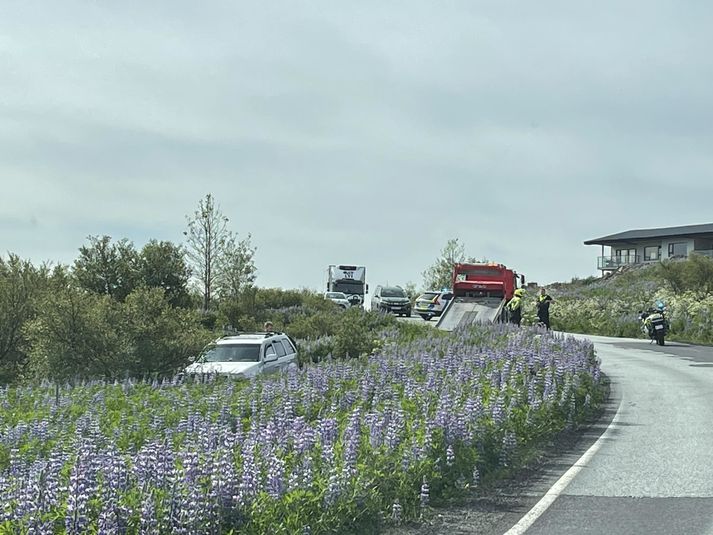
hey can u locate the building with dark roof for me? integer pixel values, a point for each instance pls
(652, 245)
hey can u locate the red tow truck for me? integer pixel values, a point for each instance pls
(480, 292)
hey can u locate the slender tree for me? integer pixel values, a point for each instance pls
(207, 238)
(237, 271)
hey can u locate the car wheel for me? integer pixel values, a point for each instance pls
(408, 314)
(425, 317)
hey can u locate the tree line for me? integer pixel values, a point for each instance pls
(118, 310)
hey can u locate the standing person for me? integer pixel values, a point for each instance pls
(514, 306)
(543, 308)
(268, 327)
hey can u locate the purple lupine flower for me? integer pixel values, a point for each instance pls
(476, 476)
(275, 477)
(148, 521)
(304, 436)
(328, 431)
(108, 523)
(173, 521)
(213, 499)
(572, 413)
(498, 410)
(549, 389)
(512, 406)
(77, 520)
(396, 512)
(393, 428)
(508, 448)
(424, 496)
(250, 480)
(407, 458)
(225, 477)
(351, 439)
(374, 422)
(333, 488)
(450, 456)
(306, 473)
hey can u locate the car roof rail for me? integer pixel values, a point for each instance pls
(266, 334)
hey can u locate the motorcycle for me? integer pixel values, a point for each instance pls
(654, 324)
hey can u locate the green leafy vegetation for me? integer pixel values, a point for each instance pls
(611, 306)
(341, 446)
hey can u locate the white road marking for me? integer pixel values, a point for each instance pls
(558, 488)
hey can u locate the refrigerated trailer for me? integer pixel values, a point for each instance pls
(350, 280)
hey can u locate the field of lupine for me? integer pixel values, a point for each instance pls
(335, 447)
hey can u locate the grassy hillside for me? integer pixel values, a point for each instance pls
(609, 306)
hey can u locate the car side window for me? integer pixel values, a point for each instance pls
(278, 347)
(288, 346)
(269, 350)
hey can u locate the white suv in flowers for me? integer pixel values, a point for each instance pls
(246, 355)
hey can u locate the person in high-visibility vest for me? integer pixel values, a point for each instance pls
(543, 308)
(514, 306)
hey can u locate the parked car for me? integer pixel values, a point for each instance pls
(391, 299)
(432, 303)
(246, 355)
(338, 298)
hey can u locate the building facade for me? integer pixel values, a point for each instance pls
(644, 246)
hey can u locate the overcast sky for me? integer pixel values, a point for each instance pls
(364, 132)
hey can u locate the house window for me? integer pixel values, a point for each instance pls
(678, 250)
(625, 256)
(652, 253)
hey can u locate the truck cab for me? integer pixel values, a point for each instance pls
(485, 280)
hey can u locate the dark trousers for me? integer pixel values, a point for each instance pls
(544, 319)
(516, 316)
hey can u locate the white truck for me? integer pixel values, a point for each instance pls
(350, 280)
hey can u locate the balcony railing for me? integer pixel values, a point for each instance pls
(615, 262)
(606, 263)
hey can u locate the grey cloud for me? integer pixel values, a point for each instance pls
(363, 132)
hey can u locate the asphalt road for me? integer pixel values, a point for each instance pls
(654, 470)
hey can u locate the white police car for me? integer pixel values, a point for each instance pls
(432, 303)
(245, 355)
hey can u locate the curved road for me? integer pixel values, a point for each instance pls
(653, 469)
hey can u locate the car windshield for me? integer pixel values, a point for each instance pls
(336, 295)
(428, 296)
(232, 353)
(393, 292)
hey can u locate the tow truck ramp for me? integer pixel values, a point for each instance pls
(464, 311)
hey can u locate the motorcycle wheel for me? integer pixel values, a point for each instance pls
(660, 339)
